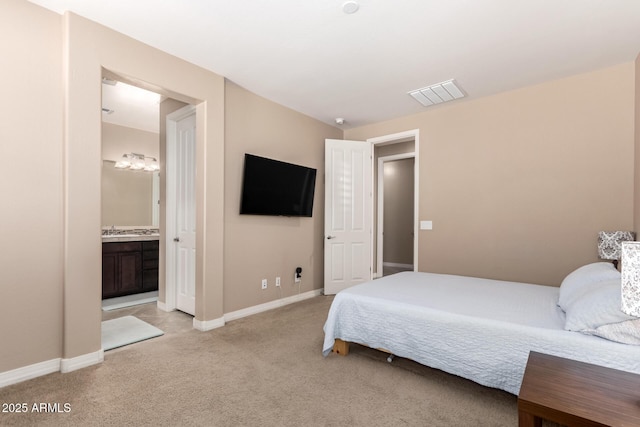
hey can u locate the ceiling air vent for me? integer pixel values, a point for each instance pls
(437, 94)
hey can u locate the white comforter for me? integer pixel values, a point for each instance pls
(479, 329)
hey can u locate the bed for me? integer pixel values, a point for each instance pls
(483, 329)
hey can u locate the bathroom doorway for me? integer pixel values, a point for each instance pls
(130, 194)
(141, 123)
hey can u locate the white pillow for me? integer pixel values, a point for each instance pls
(580, 281)
(627, 332)
(598, 307)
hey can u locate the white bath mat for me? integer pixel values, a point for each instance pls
(126, 330)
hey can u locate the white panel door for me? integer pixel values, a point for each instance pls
(181, 200)
(348, 211)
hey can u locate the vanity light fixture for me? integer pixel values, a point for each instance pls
(151, 165)
(136, 161)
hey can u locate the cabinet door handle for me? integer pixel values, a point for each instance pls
(331, 237)
(176, 239)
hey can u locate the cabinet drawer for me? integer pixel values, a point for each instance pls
(150, 245)
(112, 247)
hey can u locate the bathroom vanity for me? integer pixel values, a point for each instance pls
(129, 264)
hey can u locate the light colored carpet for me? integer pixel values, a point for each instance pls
(129, 301)
(263, 370)
(126, 330)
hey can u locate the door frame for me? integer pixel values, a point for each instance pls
(170, 224)
(396, 138)
(380, 206)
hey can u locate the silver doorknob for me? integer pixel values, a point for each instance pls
(176, 239)
(331, 237)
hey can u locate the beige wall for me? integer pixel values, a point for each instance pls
(258, 247)
(518, 184)
(31, 217)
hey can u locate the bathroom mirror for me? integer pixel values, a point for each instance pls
(130, 124)
(129, 198)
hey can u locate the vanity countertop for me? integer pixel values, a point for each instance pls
(129, 234)
(129, 238)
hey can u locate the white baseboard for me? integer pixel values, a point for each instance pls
(28, 372)
(79, 362)
(163, 306)
(67, 365)
(207, 325)
(50, 366)
(396, 264)
(271, 305)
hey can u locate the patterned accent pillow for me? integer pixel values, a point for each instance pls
(609, 243)
(580, 281)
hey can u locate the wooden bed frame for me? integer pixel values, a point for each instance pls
(341, 347)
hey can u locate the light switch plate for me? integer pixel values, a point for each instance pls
(426, 225)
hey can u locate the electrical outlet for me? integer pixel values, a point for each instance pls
(278, 281)
(296, 279)
(264, 283)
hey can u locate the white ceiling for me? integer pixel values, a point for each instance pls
(131, 106)
(310, 56)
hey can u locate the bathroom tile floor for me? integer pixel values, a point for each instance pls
(172, 322)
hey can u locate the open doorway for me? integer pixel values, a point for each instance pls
(395, 213)
(395, 210)
(135, 128)
(130, 194)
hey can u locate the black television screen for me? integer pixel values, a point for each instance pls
(272, 187)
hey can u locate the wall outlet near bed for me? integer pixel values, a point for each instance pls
(264, 283)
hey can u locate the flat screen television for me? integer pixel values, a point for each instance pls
(273, 187)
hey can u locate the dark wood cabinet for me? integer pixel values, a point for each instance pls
(129, 268)
(150, 265)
